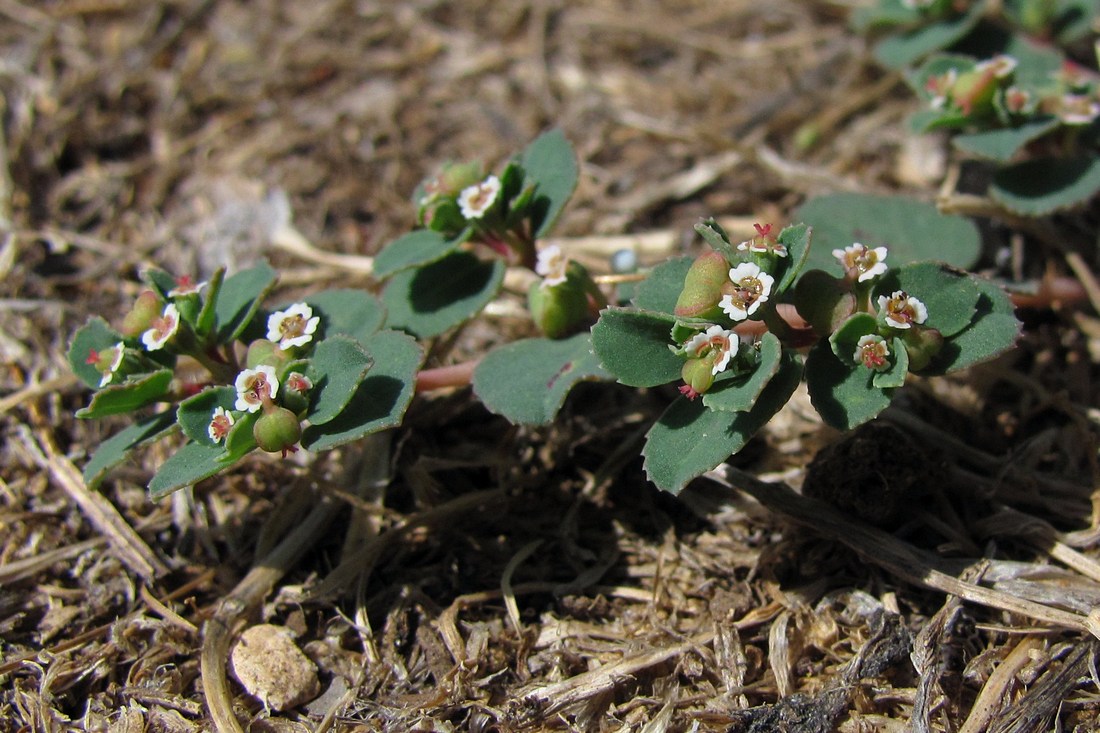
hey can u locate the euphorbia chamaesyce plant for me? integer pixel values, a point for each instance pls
(723, 328)
(1014, 82)
(735, 329)
(205, 360)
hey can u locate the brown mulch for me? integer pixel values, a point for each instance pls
(462, 573)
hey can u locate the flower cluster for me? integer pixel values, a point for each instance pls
(985, 92)
(871, 339)
(155, 323)
(270, 387)
(722, 291)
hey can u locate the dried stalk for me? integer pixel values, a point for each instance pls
(904, 561)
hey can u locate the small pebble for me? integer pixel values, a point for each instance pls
(271, 668)
(624, 261)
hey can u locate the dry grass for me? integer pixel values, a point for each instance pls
(463, 574)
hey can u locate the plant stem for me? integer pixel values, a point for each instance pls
(455, 375)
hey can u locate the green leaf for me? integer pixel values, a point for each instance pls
(426, 301)
(128, 396)
(1076, 19)
(993, 331)
(883, 14)
(950, 295)
(902, 49)
(843, 395)
(208, 316)
(527, 381)
(240, 440)
(927, 120)
(823, 300)
(689, 439)
(337, 369)
(659, 291)
(95, 335)
(415, 249)
(739, 395)
(353, 313)
(189, 465)
(239, 299)
(195, 412)
(911, 230)
(898, 371)
(714, 235)
(382, 397)
(845, 340)
(551, 165)
(796, 238)
(634, 345)
(1046, 185)
(160, 281)
(115, 449)
(1001, 145)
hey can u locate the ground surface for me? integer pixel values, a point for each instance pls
(480, 576)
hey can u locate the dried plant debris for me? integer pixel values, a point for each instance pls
(472, 575)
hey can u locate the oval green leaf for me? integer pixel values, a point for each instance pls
(911, 230)
(426, 301)
(689, 439)
(633, 345)
(382, 397)
(417, 248)
(527, 381)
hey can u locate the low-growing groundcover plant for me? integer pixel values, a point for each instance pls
(734, 330)
(1014, 84)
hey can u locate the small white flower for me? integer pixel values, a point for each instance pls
(254, 386)
(186, 286)
(871, 351)
(552, 265)
(1078, 109)
(902, 310)
(861, 261)
(752, 286)
(220, 424)
(162, 329)
(475, 200)
(714, 339)
(293, 327)
(115, 363)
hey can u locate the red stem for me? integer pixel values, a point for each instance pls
(455, 375)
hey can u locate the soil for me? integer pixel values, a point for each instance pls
(461, 573)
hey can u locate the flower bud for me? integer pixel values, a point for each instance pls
(698, 375)
(561, 309)
(145, 310)
(277, 431)
(921, 343)
(974, 90)
(703, 285)
(262, 351)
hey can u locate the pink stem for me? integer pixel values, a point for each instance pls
(455, 375)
